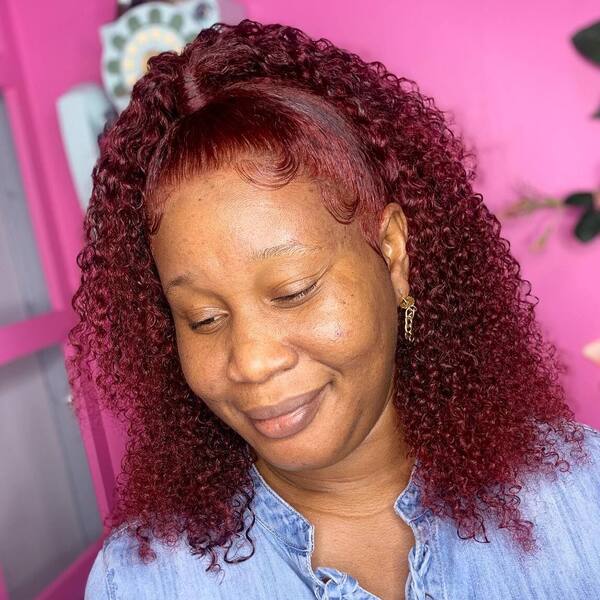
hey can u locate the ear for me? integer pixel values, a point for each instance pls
(393, 233)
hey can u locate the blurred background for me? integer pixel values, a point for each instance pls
(519, 81)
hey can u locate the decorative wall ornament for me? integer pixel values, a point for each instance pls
(142, 32)
(587, 202)
(587, 43)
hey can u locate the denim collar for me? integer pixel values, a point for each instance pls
(294, 530)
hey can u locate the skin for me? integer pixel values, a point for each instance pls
(345, 470)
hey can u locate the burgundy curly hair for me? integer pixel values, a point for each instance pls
(480, 395)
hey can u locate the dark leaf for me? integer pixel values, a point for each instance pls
(588, 226)
(587, 42)
(580, 199)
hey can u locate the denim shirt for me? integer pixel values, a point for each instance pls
(442, 566)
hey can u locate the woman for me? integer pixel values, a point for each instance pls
(330, 369)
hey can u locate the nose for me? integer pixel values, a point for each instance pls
(258, 351)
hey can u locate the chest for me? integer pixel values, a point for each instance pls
(375, 553)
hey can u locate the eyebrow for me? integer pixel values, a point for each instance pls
(281, 250)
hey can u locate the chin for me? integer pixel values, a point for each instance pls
(309, 454)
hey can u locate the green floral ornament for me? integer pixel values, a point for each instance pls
(588, 226)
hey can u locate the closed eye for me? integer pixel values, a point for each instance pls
(299, 295)
(290, 298)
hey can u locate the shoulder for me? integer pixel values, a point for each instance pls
(119, 572)
(116, 568)
(583, 475)
(592, 436)
(565, 512)
(574, 492)
(175, 573)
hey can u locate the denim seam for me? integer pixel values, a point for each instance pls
(108, 577)
(279, 499)
(591, 430)
(115, 533)
(275, 534)
(434, 543)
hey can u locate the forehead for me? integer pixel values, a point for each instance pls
(222, 217)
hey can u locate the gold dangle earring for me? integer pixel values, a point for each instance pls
(408, 304)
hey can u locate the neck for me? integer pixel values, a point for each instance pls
(364, 484)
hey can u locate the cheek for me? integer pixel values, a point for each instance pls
(353, 323)
(200, 373)
(205, 384)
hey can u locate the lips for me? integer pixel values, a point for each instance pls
(291, 423)
(285, 407)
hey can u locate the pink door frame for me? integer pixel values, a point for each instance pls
(46, 210)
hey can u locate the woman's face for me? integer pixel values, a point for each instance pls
(259, 321)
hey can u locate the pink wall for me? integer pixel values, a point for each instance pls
(519, 93)
(521, 97)
(60, 47)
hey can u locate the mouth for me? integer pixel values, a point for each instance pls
(284, 407)
(293, 421)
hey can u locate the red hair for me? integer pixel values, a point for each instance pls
(478, 389)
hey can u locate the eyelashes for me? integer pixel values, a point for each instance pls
(301, 295)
